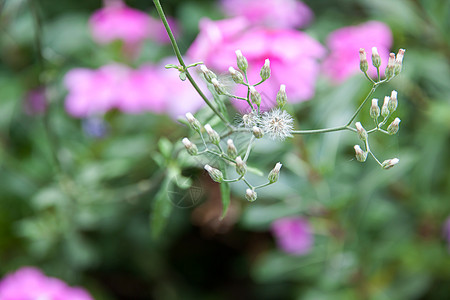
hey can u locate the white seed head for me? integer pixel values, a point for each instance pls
(277, 123)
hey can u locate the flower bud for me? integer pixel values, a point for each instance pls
(191, 148)
(257, 132)
(231, 149)
(214, 173)
(195, 124)
(282, 96)
(250, 195)
(275, 173)
(213, 135)
(241, 61)
(385, 109)
(236, 75)
(393, 127)
(399, 61)
(218, 86)
(360, 155)
(374, 109)
(265, 70)
(392, 103)
(376, 59)
(362, 133)
(255, 96)
(241, 167)
(363, 64)
(389, 73)
(389, 163)
(207, 73)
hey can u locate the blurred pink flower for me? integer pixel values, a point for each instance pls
(35, 102)
(116, 21)
(271, 13)
(293, 57)
(447, 232)
(344, 45)
(293, 235)
(149, 88)
(30, 283)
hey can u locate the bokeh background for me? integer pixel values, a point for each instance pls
(78, 193)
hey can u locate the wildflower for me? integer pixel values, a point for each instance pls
(362, 133)
(376, 59)
(265, 70)
(281, 96)
(250, 120)
(293, 235)
(241, 167)
(231, 149)
(389, 163)
(392, 103)
(374, 109)
(213, 135)
(277, 123)
(190, 147)
(31, 283)
(361, 156)
(215, 174)
(363, 64)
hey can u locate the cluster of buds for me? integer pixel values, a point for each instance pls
(394, 66)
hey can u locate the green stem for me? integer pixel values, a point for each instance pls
(182, 63)
(374, 87)
(315, 131)
(263, 185)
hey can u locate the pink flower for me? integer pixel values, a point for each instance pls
(116, 21)
(115, 86)
(447, 232)
(271, 13)
(293, 57)
(30, 283)
(293, 235)
(344, 45)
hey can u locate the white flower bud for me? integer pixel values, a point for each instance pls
(207, 73)
(241, 167)
(250, 195)
(195, 124)
(363, 64)
(399, 61)
(255, 96)
(374, 109)
(389, 163)
(275, 173)
(385, 109)
(231, 149)
(265, 70)
(218, 86)
(282, 96)
(376, 59)
(213, 135)
(393, 127)
(257, 132)
(360, 155)
(362, 133)
(241, 61)
(389, 73)
(191, 148)
(236, 75)
(215, 174)
(392, 103)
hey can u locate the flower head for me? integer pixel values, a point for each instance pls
(31, 283)
(293, 235)
(277, 123)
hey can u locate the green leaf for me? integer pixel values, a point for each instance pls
(165, 147)
(162, 207)
(171, 66)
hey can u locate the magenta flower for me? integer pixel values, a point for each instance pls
(270, 13)
(118, 22)
(293, 235)
(149, 88)
(344, 45)
(293, 57)
(30, 283)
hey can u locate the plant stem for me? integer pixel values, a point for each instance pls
(182, 63)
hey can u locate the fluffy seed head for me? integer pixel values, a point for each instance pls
(278, 124)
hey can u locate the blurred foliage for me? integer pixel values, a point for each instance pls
(77, 204)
